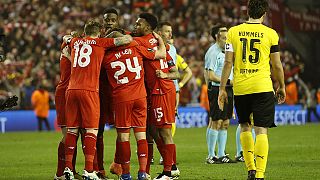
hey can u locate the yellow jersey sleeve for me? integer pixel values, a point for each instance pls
(181, 64)
(274, 38)
(229, 44)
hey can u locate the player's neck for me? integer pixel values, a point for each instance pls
(147, 33)
(220, 44)
(251, 20)
(94, 36)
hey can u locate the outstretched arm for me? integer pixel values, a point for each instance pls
(126, 39)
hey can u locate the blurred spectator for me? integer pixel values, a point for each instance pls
(318, 96)
(312, 103)
(204, 100)
(35, 28)
(40, 102)
(291, 93)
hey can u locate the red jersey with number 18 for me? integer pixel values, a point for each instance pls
(87, 55)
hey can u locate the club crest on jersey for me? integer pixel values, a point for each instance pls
(153, 41)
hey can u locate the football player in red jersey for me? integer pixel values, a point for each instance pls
(161, 93)
(82, 98)
(124, 67)
(110, 21)
(65, 70)
(60, 101)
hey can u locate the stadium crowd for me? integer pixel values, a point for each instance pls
(34, 29)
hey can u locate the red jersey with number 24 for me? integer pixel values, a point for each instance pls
(125, 71)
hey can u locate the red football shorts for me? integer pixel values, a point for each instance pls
(83, 109)
(162, 110)
(60, 101)
(131, 113)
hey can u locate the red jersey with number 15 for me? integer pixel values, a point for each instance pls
(154, 84)
(125, 71)
(87, 55)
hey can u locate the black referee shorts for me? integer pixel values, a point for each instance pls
(215, 112)
(262, 105)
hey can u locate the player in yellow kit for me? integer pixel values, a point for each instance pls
(250, 47)
(185, 77)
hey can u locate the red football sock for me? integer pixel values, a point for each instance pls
(70, 146)
(117, 158)
(125, 153)
(168, 156)
(89, 149)
(160, 146)
(100, 149)
(174, 155)
(61, 159)
(74, 158)
(142, 154)
(150, 156)
(95, 162)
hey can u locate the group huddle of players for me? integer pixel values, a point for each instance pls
(110, 76)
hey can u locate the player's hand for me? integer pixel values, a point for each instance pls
(161, 74)
(231, 82)
(281, 95)
(66, 52)
(222, 98)
(128, 38)
(157, 36)
(67, 38)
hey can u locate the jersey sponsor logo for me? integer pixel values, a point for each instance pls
(248, 71)
(153, 41)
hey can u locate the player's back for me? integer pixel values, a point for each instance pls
(252, 43)
(87, 55)
(124, 67)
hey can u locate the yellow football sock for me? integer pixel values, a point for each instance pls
(247, 143)
(261, 152)
(173, 129)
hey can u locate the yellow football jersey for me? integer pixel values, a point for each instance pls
(181, 64)
(252, 44)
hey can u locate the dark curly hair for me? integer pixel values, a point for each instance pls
(151, 19)
(257, 8)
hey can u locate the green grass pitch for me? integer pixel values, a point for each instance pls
(294, 154)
